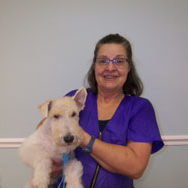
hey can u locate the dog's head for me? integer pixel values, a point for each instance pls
(63, 116)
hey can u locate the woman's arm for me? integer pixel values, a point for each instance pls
(130, 160)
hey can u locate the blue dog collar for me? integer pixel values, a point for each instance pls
(65, 160)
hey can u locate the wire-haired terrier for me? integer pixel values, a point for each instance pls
(59, 134)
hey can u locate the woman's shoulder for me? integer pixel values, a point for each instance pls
(72, 92)
(136, 99)
(138, 103)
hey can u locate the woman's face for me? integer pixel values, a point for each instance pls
(111, 76)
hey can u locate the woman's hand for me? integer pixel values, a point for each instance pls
(86, 139)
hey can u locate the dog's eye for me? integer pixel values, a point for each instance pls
(56, 116)
(73, 114)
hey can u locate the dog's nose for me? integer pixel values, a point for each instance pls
(69, 139)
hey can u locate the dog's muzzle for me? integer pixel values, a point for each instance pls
(68, 139)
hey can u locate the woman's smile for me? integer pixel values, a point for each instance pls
(110, 77)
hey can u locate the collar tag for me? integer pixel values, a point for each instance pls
(65, 159)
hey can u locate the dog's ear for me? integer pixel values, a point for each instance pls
(45, 107)
(80, 98)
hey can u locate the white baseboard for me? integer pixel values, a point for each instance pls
(169, 140)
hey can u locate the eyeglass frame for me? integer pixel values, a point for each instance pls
(114, 61)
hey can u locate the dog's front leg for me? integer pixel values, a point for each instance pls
(41, 174)
(73, 174)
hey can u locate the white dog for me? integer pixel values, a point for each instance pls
(60, 134)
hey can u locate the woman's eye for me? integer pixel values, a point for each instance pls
(56, 116)
(102, 61)
(120, 61)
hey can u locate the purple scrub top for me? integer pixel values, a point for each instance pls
(133, 120)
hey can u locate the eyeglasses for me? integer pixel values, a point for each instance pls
(119, 62)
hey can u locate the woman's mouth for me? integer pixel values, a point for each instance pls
(110, 76)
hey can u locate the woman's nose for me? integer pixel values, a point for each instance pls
(111, 66)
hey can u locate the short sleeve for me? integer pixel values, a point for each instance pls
(143, 125)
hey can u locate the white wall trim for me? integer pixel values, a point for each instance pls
(175, 140)
(10, 142)
(169, 140)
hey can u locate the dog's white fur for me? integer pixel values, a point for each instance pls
(59, 134)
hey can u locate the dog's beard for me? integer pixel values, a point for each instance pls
(59, 142)
(65, 148)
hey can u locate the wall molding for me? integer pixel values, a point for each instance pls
(11, 142)
(169, 140)
(175, 140)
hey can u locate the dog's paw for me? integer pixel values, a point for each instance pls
(75, 168)
(73, 174)
(74, 185)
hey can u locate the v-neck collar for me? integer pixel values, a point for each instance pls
(114, 115)
(116, 111)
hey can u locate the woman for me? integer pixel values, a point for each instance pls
(119, 127)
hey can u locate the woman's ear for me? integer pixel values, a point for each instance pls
(80, 98)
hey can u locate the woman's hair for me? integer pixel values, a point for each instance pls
(133, 85)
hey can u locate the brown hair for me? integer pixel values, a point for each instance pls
(133, 85)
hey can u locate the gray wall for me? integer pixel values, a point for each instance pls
(46, 48)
